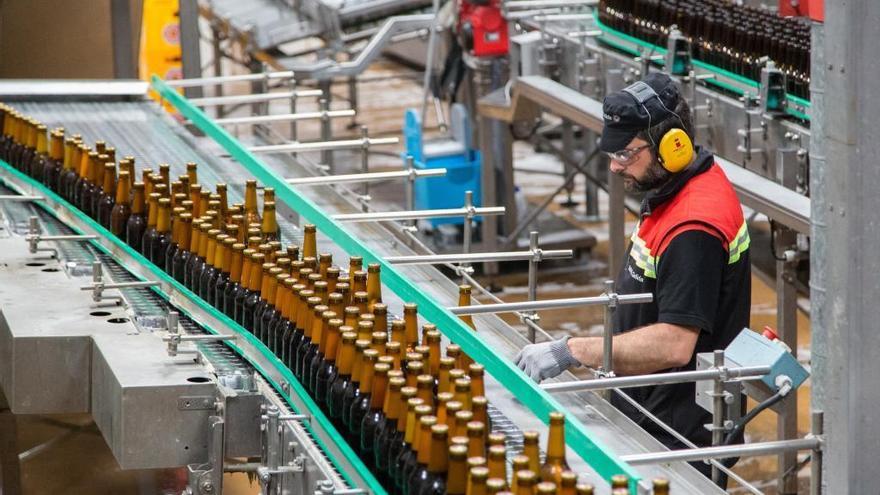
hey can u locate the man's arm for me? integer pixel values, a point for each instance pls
(645, 350)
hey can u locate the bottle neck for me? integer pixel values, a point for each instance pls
(137, 203)
(377, 393)
(152, 215)
(185, 231)
(332, 343)
(345, 357)
(556, 443)
(163, 224)
(235, 266)
(391, 403)
(123, 189)
(438, 458)
(423, 445)
(110, 181)
(270, 224)
(310, 244)
(256, 277)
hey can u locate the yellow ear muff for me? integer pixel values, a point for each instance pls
(676, 150)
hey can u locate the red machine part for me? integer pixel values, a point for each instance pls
(483, 28)
(814, 9)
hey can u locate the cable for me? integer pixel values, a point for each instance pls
(785, 386)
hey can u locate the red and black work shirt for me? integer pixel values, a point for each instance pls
(690, 250)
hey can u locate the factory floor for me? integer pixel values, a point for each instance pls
(79, 461)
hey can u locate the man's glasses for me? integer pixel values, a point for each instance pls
(627, 155)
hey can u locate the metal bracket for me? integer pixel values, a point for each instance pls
(34, 238)
(98, 286)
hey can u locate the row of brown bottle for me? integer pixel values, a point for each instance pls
(722, 33)
(398, 400)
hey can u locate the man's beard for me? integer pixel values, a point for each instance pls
(655, 177)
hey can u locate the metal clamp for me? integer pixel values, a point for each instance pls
(34, 238)
(98, 286)
(174, 338)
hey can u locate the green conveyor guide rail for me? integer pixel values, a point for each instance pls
(726, 80)
(538, 401)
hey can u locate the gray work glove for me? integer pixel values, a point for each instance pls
(546, 360)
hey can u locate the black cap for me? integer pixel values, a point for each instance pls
(624, 116)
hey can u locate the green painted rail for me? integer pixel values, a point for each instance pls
(541, 403)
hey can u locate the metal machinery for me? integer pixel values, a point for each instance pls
(171, 382)
(351, 35)
(564, 59)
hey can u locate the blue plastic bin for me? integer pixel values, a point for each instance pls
(462, 166)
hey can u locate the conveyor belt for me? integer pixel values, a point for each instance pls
(139, 128)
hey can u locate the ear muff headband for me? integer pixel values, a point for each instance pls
(675, 149)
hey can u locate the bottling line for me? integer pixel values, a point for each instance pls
(176, 377)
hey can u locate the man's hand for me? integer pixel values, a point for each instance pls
(545, 360)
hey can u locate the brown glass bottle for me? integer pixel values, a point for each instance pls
(555, 463)
(525, 482)
(327, 372)
(310, 242)
(175, 239)
(182, 254)
(107, 198)
(235, 287)
(267, 297)
(317, 358)
(456, 479)
(311, 332)
(68, 176)
(94, 194)
(430, 477)
(411, 325)
(40, 158)
(360, 404)
(353, 391)
(338, 386)
(464, 299)
(251, 213)
(386, 426)
(310, 351)
(121, 210)
(54, 164)
(269, 225)
(300, 315)
(84, 175)
(305, 323)
(583, 489)
(200, 261)
(568, 483)
(224, 261)
(152, 221)
(60, 186)
(368, 412)
(419, 451)
(255, 281)
(195, 241)
(159, 244)
(282, 292)
(660, 486)
(287, 329)
(374, 285)
(531, 449)
(136, 224)
(209, 273)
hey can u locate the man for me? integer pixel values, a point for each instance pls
(689, 249)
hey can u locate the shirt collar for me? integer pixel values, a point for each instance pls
(667, 191)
